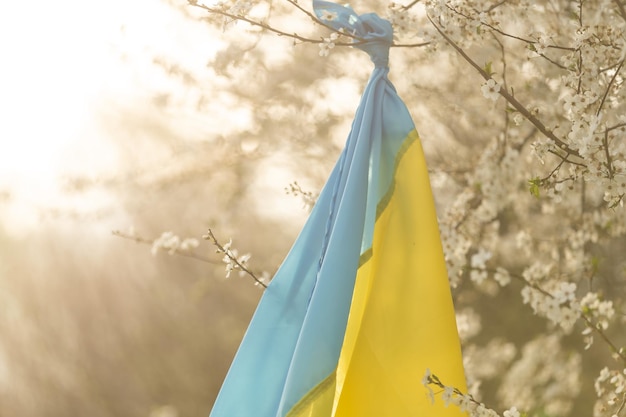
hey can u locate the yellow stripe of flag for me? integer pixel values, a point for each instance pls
(401, 319)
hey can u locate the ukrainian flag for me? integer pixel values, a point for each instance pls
(361, 305)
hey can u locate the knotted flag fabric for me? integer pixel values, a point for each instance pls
(361, 305)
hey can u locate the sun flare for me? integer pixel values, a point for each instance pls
(66, 64)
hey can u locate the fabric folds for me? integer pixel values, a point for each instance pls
(361, 306)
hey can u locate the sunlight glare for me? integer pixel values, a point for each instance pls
(63, 62)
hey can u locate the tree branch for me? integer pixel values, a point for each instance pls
(607, 154)
(317, 21)
(409, 45)
(272, 29)
(507, 96)
(583, 315)
(186, 253)
(508, 35)
(608, 87)
(221, 249)
(408, 6)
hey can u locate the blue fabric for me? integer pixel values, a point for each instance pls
(295, 336)
(375, 35)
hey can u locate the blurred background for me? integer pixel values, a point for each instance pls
(143, 118)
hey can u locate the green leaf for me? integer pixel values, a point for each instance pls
(533, 186)
(488, 69)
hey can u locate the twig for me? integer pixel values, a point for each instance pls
(527, 41)
(221, 249)
(409, 45)
(320, 22)
(586, 319)
(508, 35)
(617, 126)
(555, 153)
(408, 6)
(186, 253)
(496, 5)
(607, 154)
(508, 97)
(357, 40)
(580, 12)
(505, 86)
(621, 407)
(555, 170)
(434, 380)
(604, 337)
(272, 29)
(553, 62)
(608, 88)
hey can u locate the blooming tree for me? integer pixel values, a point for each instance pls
(522, 112)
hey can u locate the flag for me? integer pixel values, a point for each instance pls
(361, 305)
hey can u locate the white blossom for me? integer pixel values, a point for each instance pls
(328, 44)
(426, 384)
(502, 276)
(478, 273)
(172, 243)
(446, 396)
(511, 412)
(468, 323)
(491, 89)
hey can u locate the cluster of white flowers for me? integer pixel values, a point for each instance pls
(234, 7)
(610, 388)
(540, 45)
(308, 198)
(402, 20)
(478, 272)
(551, 381)
(328, 44)
(592, 102)
(464, 21)
(564, 65)
(467, 323)
(465, 402)
(541, 147)
(591, 92)
(502, 276)
(455, 243)
(232, 259)
(601, 311)
(587, 122)
(474, 213)
(559, 305)
(236, 262)
(486, 362)
(576, 258)
(172, 243)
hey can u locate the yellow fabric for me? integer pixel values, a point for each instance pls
(401, 319)
(317, 402)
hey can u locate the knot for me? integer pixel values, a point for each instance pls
(377, 38)
(375, 34)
